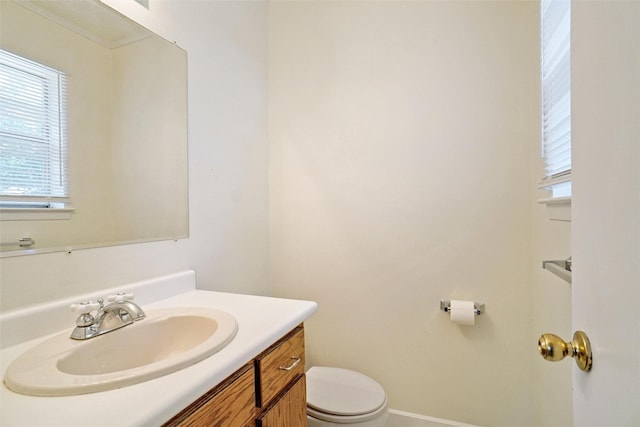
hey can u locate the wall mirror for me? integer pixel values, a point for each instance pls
(126, 126)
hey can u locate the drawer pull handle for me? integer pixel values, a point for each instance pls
(296, 362)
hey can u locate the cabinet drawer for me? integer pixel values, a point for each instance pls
(279, 366)
(230, 404)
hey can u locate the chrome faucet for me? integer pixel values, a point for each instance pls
(121, 311)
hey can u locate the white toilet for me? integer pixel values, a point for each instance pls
(336, 397)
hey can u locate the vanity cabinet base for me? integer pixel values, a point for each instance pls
(269, 391)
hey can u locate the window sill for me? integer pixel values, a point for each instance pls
(35, 214)
(561, 268)
(558, 208)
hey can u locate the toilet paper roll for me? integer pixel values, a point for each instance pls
(462, 312)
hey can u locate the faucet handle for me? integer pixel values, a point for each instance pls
(84, 307)
(120, 296)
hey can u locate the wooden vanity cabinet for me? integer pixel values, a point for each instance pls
(269, 391)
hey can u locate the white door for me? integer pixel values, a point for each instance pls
(606, 209)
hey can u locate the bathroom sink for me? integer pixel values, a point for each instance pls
(166, 341)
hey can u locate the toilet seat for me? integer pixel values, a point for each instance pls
(343, 396)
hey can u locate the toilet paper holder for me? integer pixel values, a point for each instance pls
(445, 305)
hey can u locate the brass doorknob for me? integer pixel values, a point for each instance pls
(553, 348)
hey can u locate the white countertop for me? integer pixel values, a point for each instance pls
(261, 322)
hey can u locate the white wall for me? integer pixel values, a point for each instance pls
(227, 167)
(401, 137)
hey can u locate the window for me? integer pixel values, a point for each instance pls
(33, 146)
(556, 95)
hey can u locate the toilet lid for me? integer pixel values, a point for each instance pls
(342, 392)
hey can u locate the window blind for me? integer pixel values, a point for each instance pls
(556, 95)
(33, 148)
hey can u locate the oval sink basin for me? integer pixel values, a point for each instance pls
(165, 341)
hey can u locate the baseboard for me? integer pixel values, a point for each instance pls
(431, 420)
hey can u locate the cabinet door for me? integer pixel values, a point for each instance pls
(290, 410)
(230, 404)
